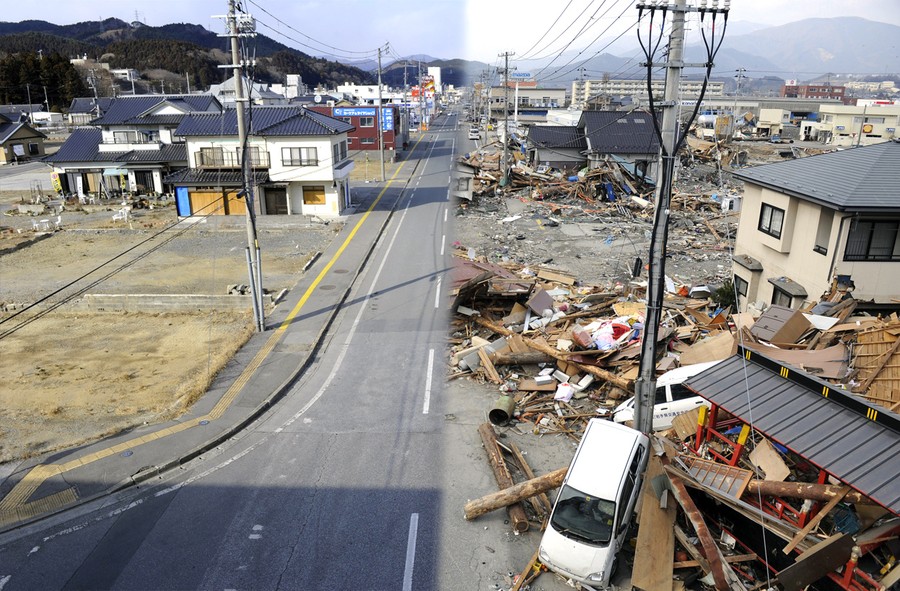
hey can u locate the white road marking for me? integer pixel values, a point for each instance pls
(428, 375)
(410, 552)
(443, 241)
(445, 214)
(4, 581)
(437, 294)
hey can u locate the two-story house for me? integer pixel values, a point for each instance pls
(298, 157)
(810, 222)
(129, 148)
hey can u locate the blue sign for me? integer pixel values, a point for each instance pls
(354, 111)
(387, 114)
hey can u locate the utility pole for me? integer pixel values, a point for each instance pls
(380, 118)
(253, 251)
(504, 166)
(740, 78)
(405, 121)
(645, 385)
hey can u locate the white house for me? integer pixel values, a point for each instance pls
(808, 223)
(298, 159)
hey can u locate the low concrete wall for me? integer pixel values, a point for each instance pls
(164, 302)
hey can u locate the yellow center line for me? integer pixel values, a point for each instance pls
(39, 473)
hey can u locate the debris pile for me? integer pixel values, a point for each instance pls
(752, 510)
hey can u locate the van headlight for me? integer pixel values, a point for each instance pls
(596, 577)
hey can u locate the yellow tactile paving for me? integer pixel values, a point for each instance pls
(13, 507)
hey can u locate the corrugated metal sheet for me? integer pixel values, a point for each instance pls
(859, 179)
(855, 441)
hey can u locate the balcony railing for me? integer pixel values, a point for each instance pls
(228, 160)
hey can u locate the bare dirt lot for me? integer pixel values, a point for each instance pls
(71, 375)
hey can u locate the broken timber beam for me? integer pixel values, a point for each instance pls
(526, 358)
(814, 522)
(595, 371)
(804, 490)
(713, 555)
(540, 502)
(501, 473)
(514, 494)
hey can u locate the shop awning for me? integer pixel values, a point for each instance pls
(114, 171)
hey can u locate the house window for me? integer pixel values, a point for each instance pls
(741, 285)
(367, 140)
(212, 157)
(823, 233)
(33, 149)
(781, 297)
(335, 153)
(771, 220)
(253, 154)
(462, 184)
(343, 150)
(314, 195)
(871, 240)
(299, 157)
(367, 121)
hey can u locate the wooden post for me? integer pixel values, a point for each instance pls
(516, 511)
(514, 494)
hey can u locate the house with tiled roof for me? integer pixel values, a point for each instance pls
(556, 146)
(815, 222)
(83, 110)
(19, 141)
(627, 135)
(298, 161)
(129, 147)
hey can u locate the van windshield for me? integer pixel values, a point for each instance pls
(582, 517)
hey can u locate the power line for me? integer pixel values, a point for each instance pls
(550, 28)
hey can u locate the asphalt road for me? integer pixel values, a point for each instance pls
(355, 480)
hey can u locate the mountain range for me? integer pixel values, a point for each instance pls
(806, 50)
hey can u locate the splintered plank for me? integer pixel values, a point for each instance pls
(653, 555)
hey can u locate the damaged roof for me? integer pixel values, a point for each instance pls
(556, 136)
(859, 179)
(619, 132)
(855, 441)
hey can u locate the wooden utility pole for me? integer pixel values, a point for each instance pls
(501, 473)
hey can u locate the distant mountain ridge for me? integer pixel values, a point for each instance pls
(199, 53)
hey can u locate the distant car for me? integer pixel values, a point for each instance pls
(672, 398)
(474, 134)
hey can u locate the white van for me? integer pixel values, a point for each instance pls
(474, 134)
(595, 504)
(672, 398)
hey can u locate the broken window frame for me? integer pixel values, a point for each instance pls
(781, 298)
(768, 214)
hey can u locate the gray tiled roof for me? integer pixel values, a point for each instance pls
(845, 435)
(556, 136)
(619, 132)
(8, 129)
(858, 179)
(192, 176)
(264, 121)
(130, 110)
(89, 104)
(80, 146)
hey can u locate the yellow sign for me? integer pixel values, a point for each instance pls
(57, 185)
(867, 128)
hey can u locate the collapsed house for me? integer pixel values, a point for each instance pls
(787, 473)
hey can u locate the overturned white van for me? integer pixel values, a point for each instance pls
(593, 510)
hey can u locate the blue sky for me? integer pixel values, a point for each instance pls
(470, 29)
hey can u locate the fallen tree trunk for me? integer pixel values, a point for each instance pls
(501, 473)
(803, 490)
(514, 494)
(527, 358)
(594, 371)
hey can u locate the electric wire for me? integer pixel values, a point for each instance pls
(591, 22)
(555, 39)
(547, 32)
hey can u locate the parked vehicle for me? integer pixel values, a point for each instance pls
(593, 511)
(672, 398)
(474, 134)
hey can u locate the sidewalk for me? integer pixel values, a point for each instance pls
(257, 377)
